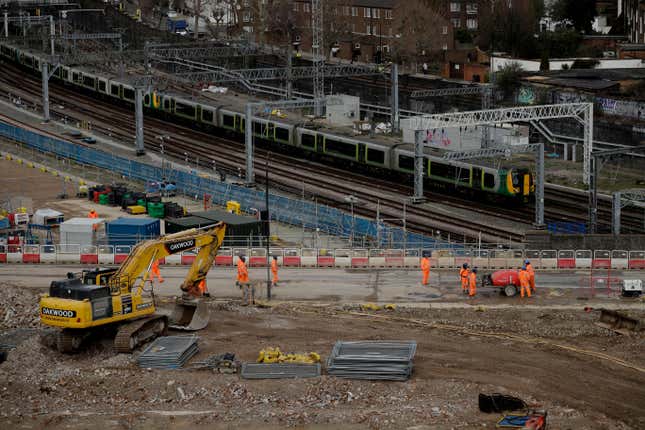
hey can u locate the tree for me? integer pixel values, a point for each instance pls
(508, 78)
(508, 28)
(580, 13)
(420, 29)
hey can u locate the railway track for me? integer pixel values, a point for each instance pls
(330, 186)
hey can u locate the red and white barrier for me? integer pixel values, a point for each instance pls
(105, 254)
(376, 258)
(31, 254)
(121, 252)
(291, 258)
(566, 259)
(89, 255)
(325, 258)
(343, 258)
(308, 257)
(3, 253)
(188, 257)
(258, 257)
(14, 254)
(584, 259)
(549, 259)
(637, 260)
(360, 258)
(224, 257)
(601, 259)
(619, 259)
(68, 254)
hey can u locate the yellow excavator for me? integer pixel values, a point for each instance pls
(121, 301)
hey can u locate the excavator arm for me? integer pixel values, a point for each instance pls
(137, 264)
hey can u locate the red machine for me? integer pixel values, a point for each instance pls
(508, 280)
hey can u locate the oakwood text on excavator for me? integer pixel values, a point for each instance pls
(116, 301)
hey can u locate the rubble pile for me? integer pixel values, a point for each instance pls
(18, 307)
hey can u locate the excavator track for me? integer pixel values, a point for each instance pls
(136, 333)
(69, 341)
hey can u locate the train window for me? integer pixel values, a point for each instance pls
(282, 134)
(166, 104)
(89, 81)
(228, 120)
(185, 110)
(443, 170)
(75, 77)
(308, 141)
(406, 162)
(341, 148)
(258, 128)
(207, 115)
(464, 174)
(128, 93)
(146, 100)
(489, 180)
(114, 90)
(102, 86)
(65, 74)
(375, 156)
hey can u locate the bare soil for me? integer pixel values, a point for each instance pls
(455, 361)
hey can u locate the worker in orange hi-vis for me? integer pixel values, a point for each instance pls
(248, 290)
(203, 289)
(425, 268)
(92, 214)
(529, 268)
(472, 282)
(463, 276)
(154, 271)
(525, 282)
(274, 271)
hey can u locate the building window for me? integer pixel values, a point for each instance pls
(456, 23)
(246, 3)
(444, 30)
(471, 23)
(471, 8)
(354, 11)
(346, 10)
(307, 7)
(445, 47)
(388, 14)
(247, 16)
(375, 13)
(353, 27)
(366, 12)
(296, 6)
(455, 7)
(369, 29)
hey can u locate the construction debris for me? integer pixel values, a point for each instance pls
(274, 355)
(374, 360)
(220, 363)
(280, 370)
(170, 352)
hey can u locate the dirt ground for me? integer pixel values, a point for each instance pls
(460, 354)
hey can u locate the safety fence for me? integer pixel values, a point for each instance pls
(355, 258)
(300, 213)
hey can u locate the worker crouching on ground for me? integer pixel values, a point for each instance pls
(472, 283)
(529, 268)
(248, 290)
(274, 271)
(525, 282)
(463, 276)
(425, 268)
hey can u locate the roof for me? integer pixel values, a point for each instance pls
(226, 217)
(47, 212)
(133, 221)
(587, 79)
(82, 221)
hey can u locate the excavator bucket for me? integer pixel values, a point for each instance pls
(189, 315)
(618, 322)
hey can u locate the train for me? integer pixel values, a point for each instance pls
(386, 158)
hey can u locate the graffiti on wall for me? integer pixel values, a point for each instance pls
(526, 96)
(625, 108)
